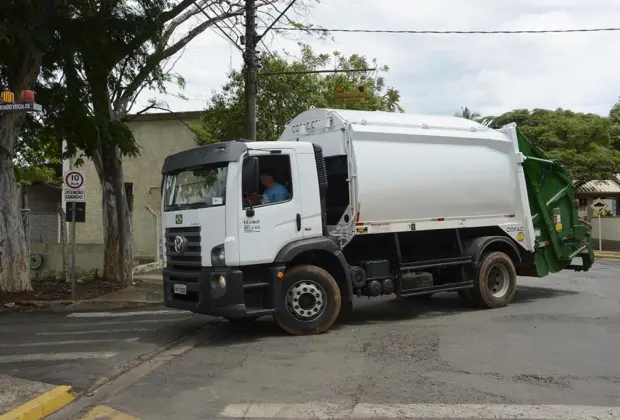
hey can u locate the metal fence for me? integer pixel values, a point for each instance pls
(47, 228)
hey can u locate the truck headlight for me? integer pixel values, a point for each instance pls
(218, 256)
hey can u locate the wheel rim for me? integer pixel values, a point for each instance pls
(306, 300)
(498, 280)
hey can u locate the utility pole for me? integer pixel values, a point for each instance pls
(250, 60)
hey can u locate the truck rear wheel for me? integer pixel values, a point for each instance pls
(310, 301)
(495, 283)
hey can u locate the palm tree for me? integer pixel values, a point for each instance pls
(467, 114)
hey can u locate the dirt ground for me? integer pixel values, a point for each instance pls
(51, 289)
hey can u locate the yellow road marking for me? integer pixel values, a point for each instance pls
(42, 406)
(101, 412)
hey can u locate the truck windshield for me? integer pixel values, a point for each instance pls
(196, 188)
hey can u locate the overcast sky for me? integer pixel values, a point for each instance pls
(437, 74)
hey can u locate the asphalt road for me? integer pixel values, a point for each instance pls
(555, 348)
(85, 349)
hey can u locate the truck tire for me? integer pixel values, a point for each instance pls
(310, 301)
(495, 283)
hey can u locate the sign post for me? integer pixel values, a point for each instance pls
(74, 192)
(599, 206)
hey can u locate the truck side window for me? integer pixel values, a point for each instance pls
(275, 182)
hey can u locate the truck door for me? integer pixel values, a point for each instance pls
(273, 224)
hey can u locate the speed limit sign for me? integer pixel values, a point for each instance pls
(73, 186)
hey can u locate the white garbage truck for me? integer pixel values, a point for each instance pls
(357, 203)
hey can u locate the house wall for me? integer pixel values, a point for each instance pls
(88, 258)
(43, 199)
(156, 138)
(610, 228)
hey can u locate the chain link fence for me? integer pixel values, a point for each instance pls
(47, 228)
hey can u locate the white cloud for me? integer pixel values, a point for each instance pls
(436, 74)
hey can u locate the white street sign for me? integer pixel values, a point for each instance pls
(599, 205)
(74, 186)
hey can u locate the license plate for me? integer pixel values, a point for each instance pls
(180, 289)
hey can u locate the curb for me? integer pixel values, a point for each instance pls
(43, 405)
(79, 306)
(609, 256)
(90, 305)
(147, 268)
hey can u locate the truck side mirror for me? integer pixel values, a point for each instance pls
(250, 175)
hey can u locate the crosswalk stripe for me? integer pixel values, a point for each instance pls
(67, 342)
(121, 314)
(318, 410)
(50, 357)
(124, 321)
(90, 324)
(85, 332)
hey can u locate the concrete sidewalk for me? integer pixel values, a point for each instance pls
(30, 400)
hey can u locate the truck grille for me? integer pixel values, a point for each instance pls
(190, 258)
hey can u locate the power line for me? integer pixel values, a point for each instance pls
(423, 32)
(216, 25)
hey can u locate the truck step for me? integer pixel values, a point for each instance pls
(449, 287)
(418, 265)
(260, 311)
(256, 285)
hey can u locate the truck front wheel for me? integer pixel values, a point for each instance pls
(310, 301)
(495, 283)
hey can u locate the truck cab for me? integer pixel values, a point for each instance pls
(226, 244)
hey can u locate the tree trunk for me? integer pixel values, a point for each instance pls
(117, 232)
(21, 73)
(14, 271)
(14, 268)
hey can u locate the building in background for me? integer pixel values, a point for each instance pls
(157, 135)
(609, 192)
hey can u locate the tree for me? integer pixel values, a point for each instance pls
(36, 159)
(26, 28)
(107, 53)
(467, 114)
(284, 96)
(614, 116)
(582, 143)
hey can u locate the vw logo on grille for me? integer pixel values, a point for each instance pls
(180, 243)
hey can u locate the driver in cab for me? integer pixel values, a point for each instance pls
(274, 191)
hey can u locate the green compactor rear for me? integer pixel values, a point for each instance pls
(560, 235)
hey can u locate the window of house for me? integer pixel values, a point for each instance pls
(275, 183)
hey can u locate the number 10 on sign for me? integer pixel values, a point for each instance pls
(73, 186)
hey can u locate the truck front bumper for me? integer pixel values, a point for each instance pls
(221, 291)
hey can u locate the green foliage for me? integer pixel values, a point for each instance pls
(585, 144)
(27, 175)
(282, 97)
(614, 116)
(35, 158)
(26, 26)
